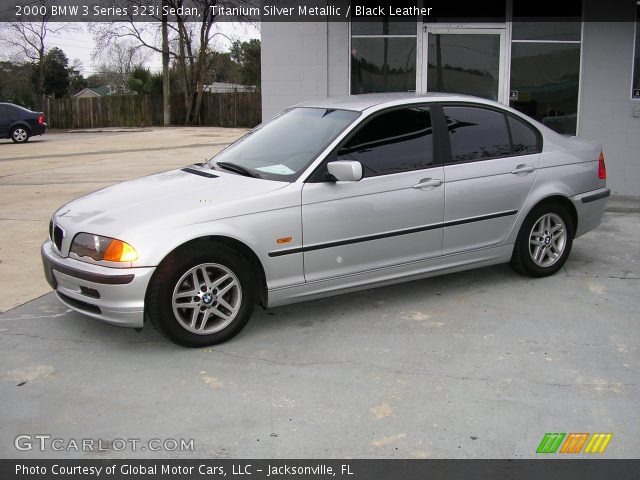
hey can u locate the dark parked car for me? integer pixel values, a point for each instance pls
(19, 123)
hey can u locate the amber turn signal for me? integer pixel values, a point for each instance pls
(119, 251)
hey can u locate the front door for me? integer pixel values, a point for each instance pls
(4, 121)
(470, 61)
(393, 216)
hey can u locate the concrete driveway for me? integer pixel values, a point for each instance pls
(475, 364)
(38, 177)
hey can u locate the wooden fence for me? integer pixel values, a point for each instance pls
(235, 109)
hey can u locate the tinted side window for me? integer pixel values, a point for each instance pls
(523, 137)
(395, 141)
(477, 134)
(10, 112)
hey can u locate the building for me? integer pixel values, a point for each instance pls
(577, 76)
(91, 92)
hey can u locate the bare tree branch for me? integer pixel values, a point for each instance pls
(189, 38)
(29, 39)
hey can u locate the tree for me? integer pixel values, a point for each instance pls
(96, 80)
(118, 62)
(140, 81)
(222, 68)
(158, 81)
(143, 82)
(166, 59)
(55, 70)
(76, 81)
(28, 38)
(247, 56)
(188, 42)
(15, 84)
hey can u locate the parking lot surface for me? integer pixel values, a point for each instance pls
(38, 177)
(476, 364)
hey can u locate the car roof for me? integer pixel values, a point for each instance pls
(362, 102)
(9, 104)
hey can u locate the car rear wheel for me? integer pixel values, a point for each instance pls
(544, 241)
(19, 134)
(202, 295)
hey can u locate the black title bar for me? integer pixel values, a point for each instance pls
(436, 11)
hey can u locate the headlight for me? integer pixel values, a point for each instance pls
(98, 247)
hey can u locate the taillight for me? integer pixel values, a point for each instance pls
(602, 169)
(41, 119)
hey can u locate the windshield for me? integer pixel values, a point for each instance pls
(282, 148)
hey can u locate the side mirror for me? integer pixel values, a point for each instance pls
(345, 170)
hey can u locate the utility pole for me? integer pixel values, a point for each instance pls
(166, 86)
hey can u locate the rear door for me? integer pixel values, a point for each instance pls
(492, 164)
(393, 215)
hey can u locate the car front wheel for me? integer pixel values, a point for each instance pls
(19, 134)
(544, 241)
(201, 296)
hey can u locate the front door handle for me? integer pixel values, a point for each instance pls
(523, 169)
(428, 183)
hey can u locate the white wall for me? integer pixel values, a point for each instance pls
(302, 61)
(294, 64)
(339, 53)
(606, 110)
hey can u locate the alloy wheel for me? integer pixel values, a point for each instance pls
(207, 298)
(19, 134)
(547, 240)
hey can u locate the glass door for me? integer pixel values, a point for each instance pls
(465, 60)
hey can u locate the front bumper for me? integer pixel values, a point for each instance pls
(590, 207)
(113, 295)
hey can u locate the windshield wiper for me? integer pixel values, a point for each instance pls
(234, 167)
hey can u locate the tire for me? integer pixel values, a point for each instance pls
(19, 134)
(197, 317)
(544, 241)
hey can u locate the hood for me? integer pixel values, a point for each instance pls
(179, 196)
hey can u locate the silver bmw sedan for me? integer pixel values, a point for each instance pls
(328, 197)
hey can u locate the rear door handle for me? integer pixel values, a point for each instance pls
(428, 183)
(523, 169)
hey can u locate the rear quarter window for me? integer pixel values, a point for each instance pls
(10, 111)
(524, 138)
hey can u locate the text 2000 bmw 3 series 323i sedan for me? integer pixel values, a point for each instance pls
(328, 197)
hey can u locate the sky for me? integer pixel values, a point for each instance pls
(80, 44)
